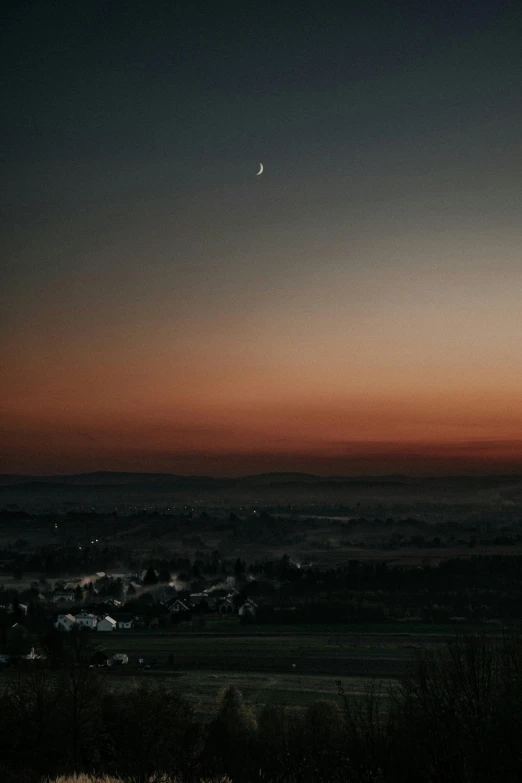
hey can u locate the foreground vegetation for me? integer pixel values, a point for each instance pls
(456, 718)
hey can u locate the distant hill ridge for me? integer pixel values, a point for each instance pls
(100, 479)
(120, 478)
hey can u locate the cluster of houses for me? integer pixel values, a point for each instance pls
(93, 622)
(96, 610)
(121, 621)
(66, 593)
(225, 605)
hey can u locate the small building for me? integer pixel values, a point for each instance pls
(107, 624)
(100, 657)
(227, 607)
(119, 659)
(65, 622)
(249, 608)
(63, 596)
(179, 606)
(125, 621)
(12, 608)
(87, 620)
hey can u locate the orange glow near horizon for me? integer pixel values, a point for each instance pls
(421, 379)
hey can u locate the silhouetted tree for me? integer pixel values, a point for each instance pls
(239, 568)
(231, 736)
(150, 577)
(150, 731)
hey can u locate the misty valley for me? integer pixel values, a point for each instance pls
(259, 628)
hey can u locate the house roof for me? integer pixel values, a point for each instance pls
(109, 620)
(125, 618)
(70, 617)
(184, 604)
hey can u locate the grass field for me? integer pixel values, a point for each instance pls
(292, 665)
(292, 669)
(229, 625)
(341, 655)
(202, 688)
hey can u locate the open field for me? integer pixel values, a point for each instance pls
(273, 664)
(403, 556)
(202, 688)
(335, 655)
(286, 668)
(229, 625)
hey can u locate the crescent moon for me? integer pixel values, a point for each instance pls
(260, 170)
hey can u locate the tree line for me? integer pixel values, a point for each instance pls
(456, 718)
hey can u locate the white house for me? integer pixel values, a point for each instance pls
(125, 621)
(87, 620)
(65, 622)
(107, 624)
(120, 658)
